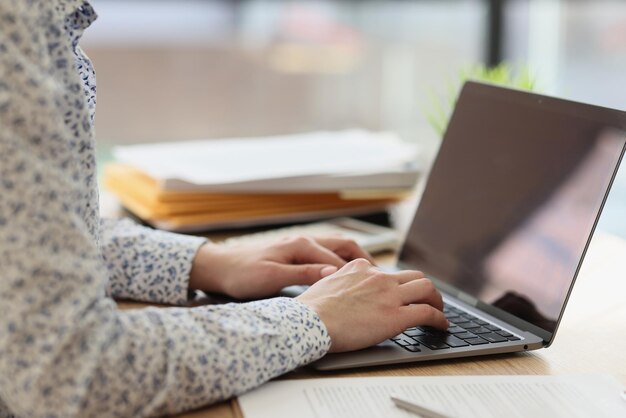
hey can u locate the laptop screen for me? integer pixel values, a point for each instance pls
(513, 198)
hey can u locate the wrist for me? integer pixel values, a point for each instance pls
(322, 327)
(317, 307)
(204, 274)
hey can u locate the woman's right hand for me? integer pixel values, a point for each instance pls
(362, 305)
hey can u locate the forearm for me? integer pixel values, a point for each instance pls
(156, 361)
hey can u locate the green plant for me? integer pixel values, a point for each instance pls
(440, 109)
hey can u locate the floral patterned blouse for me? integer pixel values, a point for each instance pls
(65, 350)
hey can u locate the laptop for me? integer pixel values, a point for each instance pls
(505, 219)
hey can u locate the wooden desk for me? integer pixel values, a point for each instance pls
(591, 338)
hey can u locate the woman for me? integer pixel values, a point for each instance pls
(65, 350)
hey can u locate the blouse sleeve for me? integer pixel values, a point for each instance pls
(147, 265)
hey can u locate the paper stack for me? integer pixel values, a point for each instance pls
(209, 184)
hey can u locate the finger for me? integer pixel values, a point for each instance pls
(307, 251)
(299, 274)
(421, 291)
(407, 276)
(346, 248)
(423, 315)
(360, 264)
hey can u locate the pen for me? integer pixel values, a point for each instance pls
(416, 409)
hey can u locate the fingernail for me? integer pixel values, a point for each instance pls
(328, 270)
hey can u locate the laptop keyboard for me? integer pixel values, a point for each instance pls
(465, 330)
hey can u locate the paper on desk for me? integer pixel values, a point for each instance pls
(228, 161)
(456, 396)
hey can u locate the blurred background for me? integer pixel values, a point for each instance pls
(186, 69)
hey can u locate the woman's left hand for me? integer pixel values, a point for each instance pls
(255, 270)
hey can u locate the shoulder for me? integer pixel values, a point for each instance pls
(37, 15)
(30, 31)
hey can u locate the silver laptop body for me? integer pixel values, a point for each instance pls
(507, 214)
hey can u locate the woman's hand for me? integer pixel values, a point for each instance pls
(362, 305)
(359, 304)
(259, 270)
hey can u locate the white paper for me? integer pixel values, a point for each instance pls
(231, 161)
(456, 396)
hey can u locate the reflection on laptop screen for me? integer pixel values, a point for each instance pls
(513, 198)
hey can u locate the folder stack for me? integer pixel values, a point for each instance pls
(212, 184)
